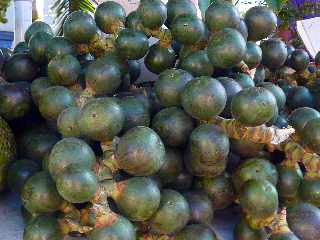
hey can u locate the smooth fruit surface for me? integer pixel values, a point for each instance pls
(274, 53)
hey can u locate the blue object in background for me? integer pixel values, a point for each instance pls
(6, 39)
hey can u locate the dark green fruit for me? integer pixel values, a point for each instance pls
(259, 202)
(284, 236)
(134, 70)
(244, 80)
(281, 122)
(169, 86)
(246, 149)
(15, 102)
(253, 106)
(300, 96)
(20, 67)
(301, 116)
(304, 221)
(39, 194)
(196, 232)
(132, 44)
(19, 172)
(101, 119)
(38, 86)
(70, 153)
(277, 92)
(260, 74)
(35, 27)
(254, 169)
(21, 47)
(110, 16)
(253, 55)
(173, 125)
(176, 8)
(311, 135)
(309, 191)
(204, 98)
(103, 77)
(274, 53)
(172, 166)
(172, 215)
(219, 189)
(26, 216)
(153, 13)
(59, 46)
(243, 29)
(226, 48)
(317, 58)
(63, 70)
(261, 22)
(135, 113)
(43, 228)
(187, 29)
(133, 21)
(38, 45)
(159, 58)
(232, 87)
(54, 100)
(79, 27)
(220, 15)
(121, 229)
(201, 210)
(67, 122)
(77, 185)
(243, 231)
(299, 60)
(207, 151)
(140, 152)
(197, 63)
(137, 198)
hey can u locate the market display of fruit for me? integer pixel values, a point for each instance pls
(94, 150)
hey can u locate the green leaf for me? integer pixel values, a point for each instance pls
(276, 5)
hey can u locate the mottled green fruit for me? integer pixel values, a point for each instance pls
(311, 134)
(196, 232)
(36, 27)
(309, 191)
(153, 13)
(244, 80)
(274, 53)
(253, 55)
(301, 116)
(59, 46)
(246, 149)
(38, 86)
(38, 45)
(243, 231)
(67, 122)
(159, 58)
(277, 92)
(176, 8)
(299, 60)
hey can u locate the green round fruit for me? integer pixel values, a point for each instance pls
(220, 15)
(36, 27)
(20, 67)
(301, 116)
(284, 236)
(300, 96)
(197, 63)
(64, 70)
(243, 231)
(172, 215)
(176, 8)
(15, 102)
(153, 13)
(110, 16)
(21, 47)
(244, 80)
(253, 55)
(226, 48)
(260, 74)
(173, 125)
(77, 185)
(246, 148)
(103, 77)
(38, 45)
(182, 182)
(204, 98)
(159, 58)
(299, 60)
(132, 44)
(187, 29)
(311, 135)
(274, 53)
(253, 106)
(219, 189)
(201, 210)
(43, 228)
(207, 151)
(277, 92)
(169, 85)
(38, 86)
(101, 119)
(135, 113)
(304, 221)
(133, 21)
(140, 152)
(232, 87)
(196, 232)
(79, 27)
(54, 100)
(243, 29)
(70, 153)
(59, 46)
(19, 172)
(67, 122)
(261, 22)
(254, 169)
(309, 191)
(39, 194)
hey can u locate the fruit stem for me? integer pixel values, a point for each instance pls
(280, 224)
(85, 96)
(101, 171)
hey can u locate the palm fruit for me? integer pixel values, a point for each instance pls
(38, 45)
(310, 135)
(59, 46)
(176, 8)
(243, 231)
(133, 21)
(260, 74)
(67, 122)
(299, 60)
(36, 27)
(21, 47)
(246, 149)
(277, 92)
(196, 232)
(244, 80)
(253, 55)
(153, 13)
(309, 191)
(37, 87)
(300, 96)
(274, 53)
(284, 236)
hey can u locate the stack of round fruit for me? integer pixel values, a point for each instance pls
(96, 152)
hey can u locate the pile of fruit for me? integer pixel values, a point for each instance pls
(96, 152)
